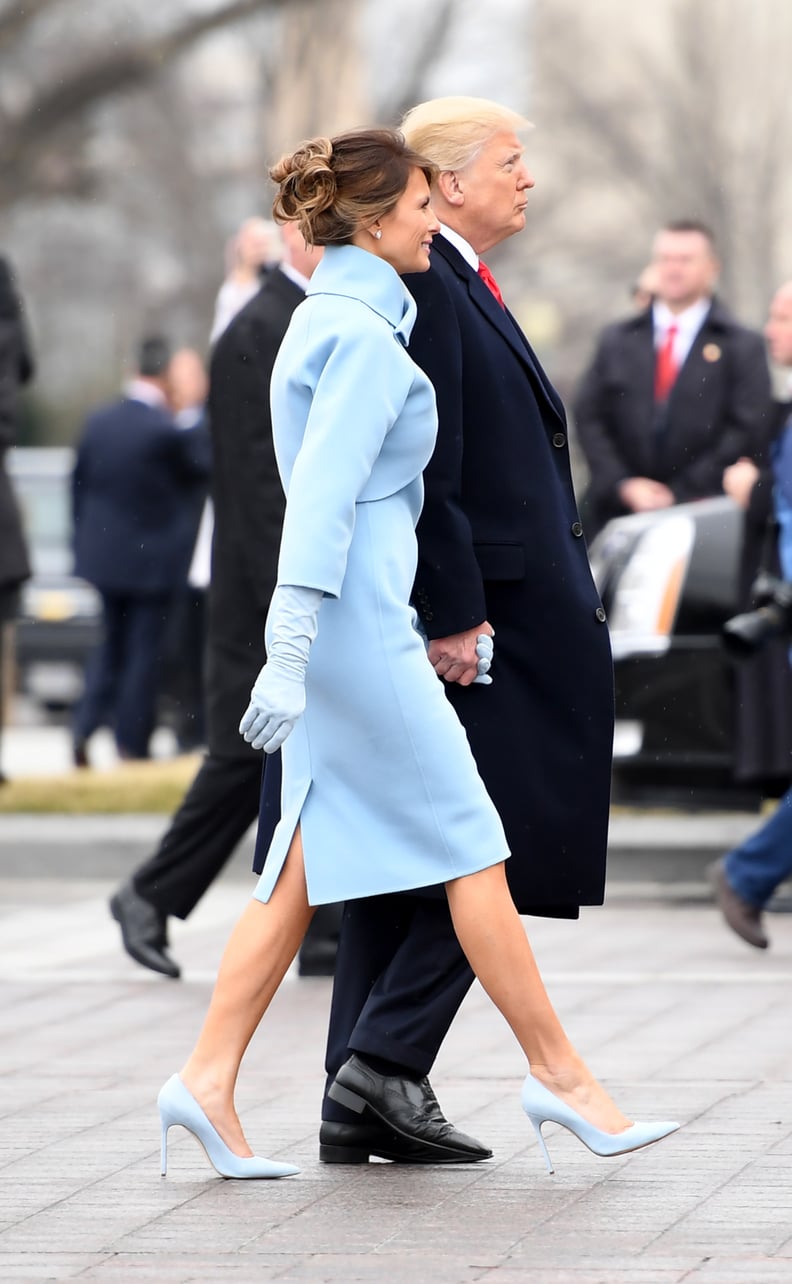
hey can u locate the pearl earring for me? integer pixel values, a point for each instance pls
(378, 233)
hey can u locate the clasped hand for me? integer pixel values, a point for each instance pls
(277, 701)
(464, 658)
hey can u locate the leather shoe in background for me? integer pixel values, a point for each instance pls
(317, 958)
(407, 1108)
(742, 917)
(144, 931)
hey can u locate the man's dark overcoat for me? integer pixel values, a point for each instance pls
(249, 506)
(16, 368)
(500, 539)
(134, 484)
(763, 683)
(717, 411)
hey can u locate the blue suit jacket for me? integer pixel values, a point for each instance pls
(134, 492)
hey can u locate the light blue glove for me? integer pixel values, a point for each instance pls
(484, 651)
(277, 700)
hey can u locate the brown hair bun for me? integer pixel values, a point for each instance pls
(331, 187)
(307, 184)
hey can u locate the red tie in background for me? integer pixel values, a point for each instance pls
(490, 282)
(666, 367)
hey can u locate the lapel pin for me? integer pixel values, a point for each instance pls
(711, 352)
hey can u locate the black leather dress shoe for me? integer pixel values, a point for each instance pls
(407, 1108)
(352, 1143)
(143, 931)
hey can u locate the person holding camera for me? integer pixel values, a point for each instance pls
(746, 877)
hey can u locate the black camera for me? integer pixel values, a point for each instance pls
(745, 634)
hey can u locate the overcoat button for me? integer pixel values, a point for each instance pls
(559, 439)
(428, 615)
(600, 614)
(577, 530)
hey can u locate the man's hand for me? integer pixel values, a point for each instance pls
(462, 658)
(739, 480)
(643, 495)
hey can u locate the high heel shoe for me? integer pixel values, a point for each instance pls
(542, 1106)
(178, 1106)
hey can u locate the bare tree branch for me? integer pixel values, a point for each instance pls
(433, 44)
(14, 18)
(100, 77)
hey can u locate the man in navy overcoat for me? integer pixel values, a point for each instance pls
(133, 499)
(500, 549)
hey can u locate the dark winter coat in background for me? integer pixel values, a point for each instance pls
(719, 409)
(763, 683)
(16, 369)
(248, 506)
(135, 480)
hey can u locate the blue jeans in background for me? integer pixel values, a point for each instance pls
(755, 868)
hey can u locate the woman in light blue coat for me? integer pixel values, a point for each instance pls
(380, 791)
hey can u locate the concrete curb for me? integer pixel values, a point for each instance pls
(644, 847)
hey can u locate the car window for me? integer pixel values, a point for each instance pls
(45, 503)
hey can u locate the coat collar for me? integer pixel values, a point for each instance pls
(500, 317)
(718, 317)
(353, 273)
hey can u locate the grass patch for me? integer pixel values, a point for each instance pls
(157, 786)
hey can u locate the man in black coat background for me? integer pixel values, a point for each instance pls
(500, 548)
(16, 369)
(135, 479)
(763, 681)
(675, 394)
(223, 800)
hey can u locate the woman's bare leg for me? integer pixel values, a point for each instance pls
(493, 937)
(259, 952)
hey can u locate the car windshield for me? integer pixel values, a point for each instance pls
(45, 504)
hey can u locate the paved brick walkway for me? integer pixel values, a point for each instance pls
(675, 1015)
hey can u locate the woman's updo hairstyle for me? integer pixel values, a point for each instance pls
(331, 187)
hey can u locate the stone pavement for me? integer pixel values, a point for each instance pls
(678, 1017)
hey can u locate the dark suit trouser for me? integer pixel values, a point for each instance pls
(218, 809)
(402, 1006)
(122, 679)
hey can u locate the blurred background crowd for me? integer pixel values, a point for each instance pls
(135, 142)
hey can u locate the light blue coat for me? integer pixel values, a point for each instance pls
(378, 772)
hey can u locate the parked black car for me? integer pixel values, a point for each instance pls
(61, 614)
(669, 581)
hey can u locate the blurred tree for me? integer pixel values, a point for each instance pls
(46, 104)
(134, 138)
(677, 109)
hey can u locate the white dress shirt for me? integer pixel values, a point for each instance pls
(459, 243)
(296, 277)
(148, 393)
(688, 324)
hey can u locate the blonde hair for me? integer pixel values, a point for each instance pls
(330, 187)
(450, 131)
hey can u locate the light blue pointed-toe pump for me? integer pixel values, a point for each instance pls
(177, 1105)
(542, 1106)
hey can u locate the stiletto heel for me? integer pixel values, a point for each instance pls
(537, 1127)
(177, 1105)
(542, 1106)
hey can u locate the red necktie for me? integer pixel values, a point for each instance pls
(490, 282)
(666, 367)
